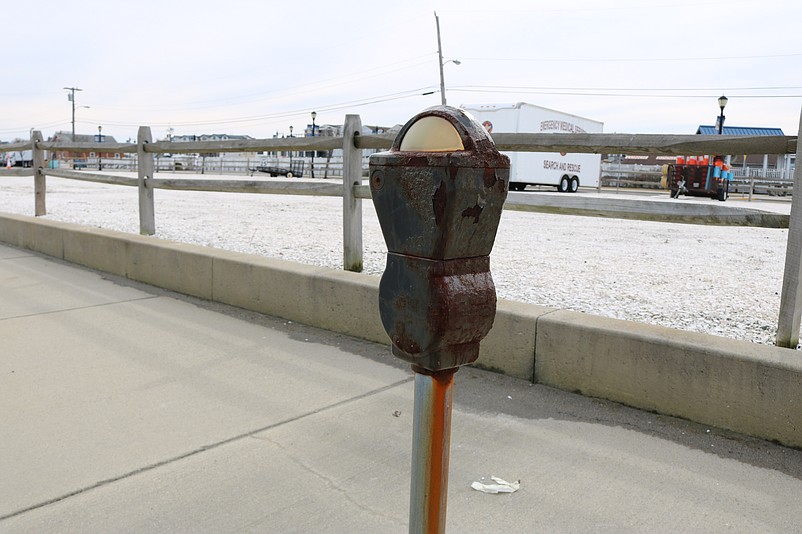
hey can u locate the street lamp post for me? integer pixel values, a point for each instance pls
(99, 154)
(290, 152)
(441, 62)
(314, 114)
(724, 191)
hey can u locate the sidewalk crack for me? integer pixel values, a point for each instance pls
(202, 449)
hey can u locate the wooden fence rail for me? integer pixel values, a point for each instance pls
(353, 142)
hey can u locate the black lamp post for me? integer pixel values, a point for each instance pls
(722, 101)
(99, 140)
(290, 152)
(314, 114)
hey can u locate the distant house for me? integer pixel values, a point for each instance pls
(758, 164)
(738, 130)
(214, 137)
(776, 162)
(336, 130)
(67, 137)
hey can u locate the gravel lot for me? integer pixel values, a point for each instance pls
(724, 281)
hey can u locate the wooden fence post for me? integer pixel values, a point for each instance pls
(352, 206)
(147, 219)
(791, 296)
(39, 187)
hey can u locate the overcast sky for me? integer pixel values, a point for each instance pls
(259, 67)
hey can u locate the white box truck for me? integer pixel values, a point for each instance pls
(566, 172)
(17, 158)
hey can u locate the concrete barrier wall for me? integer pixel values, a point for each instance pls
(744, 387)
(750, 388)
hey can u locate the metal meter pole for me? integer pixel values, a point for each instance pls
(438, 194)
(431, 441)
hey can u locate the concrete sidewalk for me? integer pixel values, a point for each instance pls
(129, 409)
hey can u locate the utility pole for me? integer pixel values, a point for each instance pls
(440, 61)
(71, 98)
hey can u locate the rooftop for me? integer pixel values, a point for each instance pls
(738, 130)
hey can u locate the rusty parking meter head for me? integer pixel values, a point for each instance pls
(438, 194)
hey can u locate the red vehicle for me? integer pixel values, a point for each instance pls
(698, 177)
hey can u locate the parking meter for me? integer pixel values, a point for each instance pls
(438, 194)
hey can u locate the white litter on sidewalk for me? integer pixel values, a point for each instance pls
(500, 486)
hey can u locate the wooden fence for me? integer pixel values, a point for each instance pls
(352, 190)
(324, 167)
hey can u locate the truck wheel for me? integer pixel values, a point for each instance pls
(565, 183)
(574, 184)
(721, 194)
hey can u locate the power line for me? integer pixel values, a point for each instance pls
(255, 119)
(628, 60)
(284, 114)
(526, 87)
(38, 126)
(590, 91)
(256, 96)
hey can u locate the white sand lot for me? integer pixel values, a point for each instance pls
(724, 281)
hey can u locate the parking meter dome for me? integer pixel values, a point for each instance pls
(440, 189)
(431, 134)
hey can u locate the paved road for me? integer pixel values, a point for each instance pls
(130, 409)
